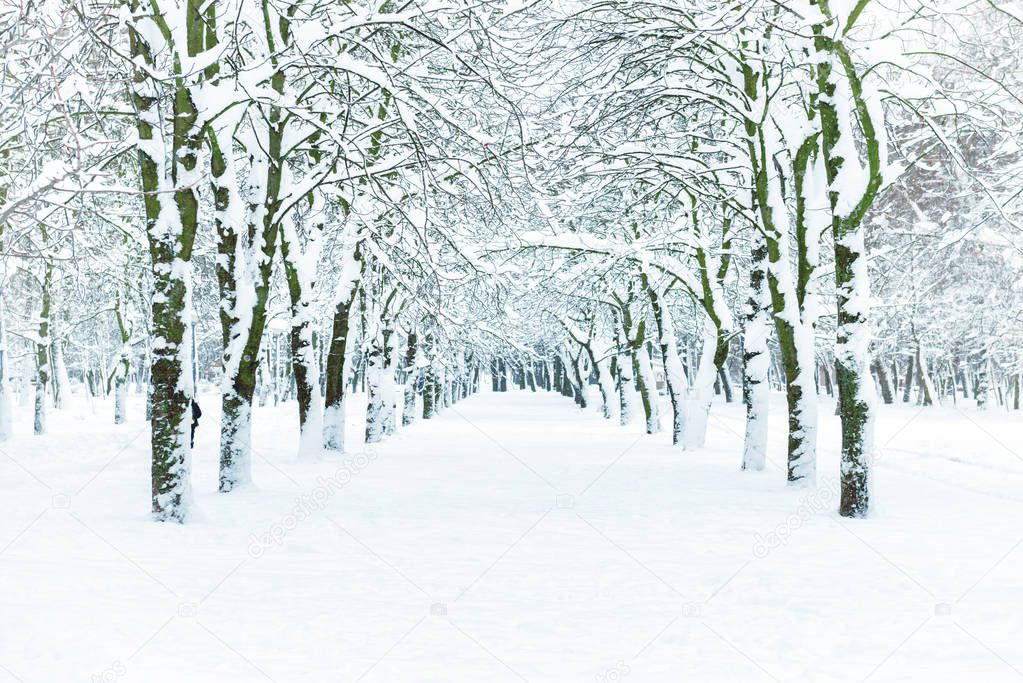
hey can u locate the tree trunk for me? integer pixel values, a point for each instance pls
(580, 386)
(305, 365)
(702, 393)
(240, 240)
(411, 379)
(388, 387)
(645, 383)
(824, 370)
(623, 383)
(172, 206)
(795, 336)
(983, 388)
(241, 333)
(882, 380)
(61, 381)
(374, 397)
(43, 353)
(5, 387)
(926, 386)
(724, 383)
(429, 380)
(123, 366)
(852, 362)
(755, 363)
(334, 390)
(907, 388)
(674, 375)
(793, 323)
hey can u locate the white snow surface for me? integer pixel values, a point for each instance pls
(513, 538)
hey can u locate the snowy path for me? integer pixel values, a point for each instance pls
(510, 539)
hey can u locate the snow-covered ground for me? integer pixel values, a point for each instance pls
(513, 538)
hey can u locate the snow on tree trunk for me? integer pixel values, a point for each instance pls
(928, 395)
(244, 267)
(674, 374)
(798, 362)
(908, 385)
(5, 405)
(756, 359)
(429, 379)
(701, 394)
(123, 366)
(530, 379)
(646, 385)
(855, 391)
(263, 385)
(300, 271)
(623, 385)
(39, 410)
(120, 400)
(725, 382)
(334, 394)
(246, 226)
(581, 380)
(169, 182)
(622, 369)
(388, 386)
(310, 402)
(374, 392)
(61, 381)
(791, 231)
(604, 382)
(444, 388)
(885, 383)
(846, 107)
(411, 380)
(982, 391)
(43, 354)
(5, 386)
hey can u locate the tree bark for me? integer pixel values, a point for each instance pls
(755, 363)
(123, 367)
(334, 390)
(305, 366)
(5, 387)
(43, 352)
(171, 207)
(882, 380)
(674, 375)
(855, 389)
(926, 386)
(411, 379)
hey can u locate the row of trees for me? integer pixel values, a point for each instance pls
(301, 199)
(734, 186)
